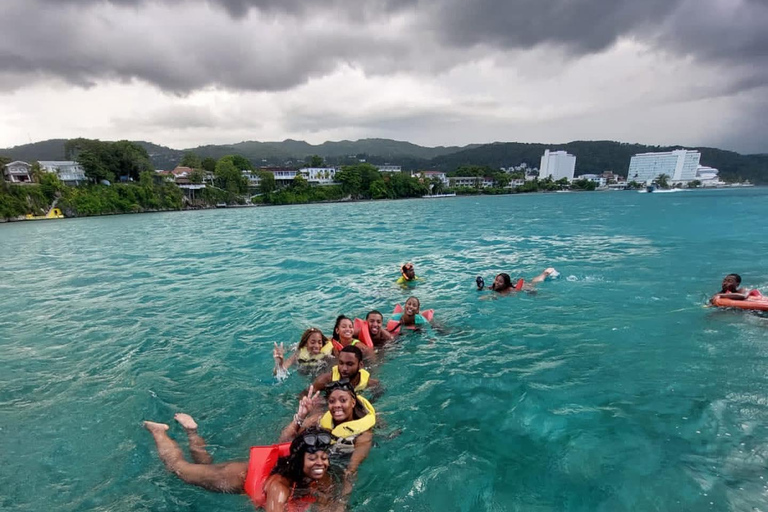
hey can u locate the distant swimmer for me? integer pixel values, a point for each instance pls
(300, 478)
(343, 335)
(731, 290)
(379, 335)
(503, 282)
(312, 353)
(350, 418)
(407, 274)
(349, 367)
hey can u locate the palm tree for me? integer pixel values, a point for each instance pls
(662, 181)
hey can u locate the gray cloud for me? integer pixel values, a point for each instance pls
(82, 41)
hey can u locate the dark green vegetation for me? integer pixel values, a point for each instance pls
(592, 157)
(148, 194)
(360, 181)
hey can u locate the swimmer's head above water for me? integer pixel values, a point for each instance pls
(409, 273)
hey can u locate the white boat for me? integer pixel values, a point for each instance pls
(452, 194)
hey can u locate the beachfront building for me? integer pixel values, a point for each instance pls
(708, 176)
(598, 179)
(471, 181)
(429, 175)
(680, 165)
(18, 172)
(557, 165)
(69, 172)
(389, 168)
(319, 175)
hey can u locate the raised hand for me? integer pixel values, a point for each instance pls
(308, 403)
(278, 353)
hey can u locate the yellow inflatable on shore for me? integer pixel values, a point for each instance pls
(53, 213)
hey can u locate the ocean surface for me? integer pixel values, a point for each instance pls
(611, 389)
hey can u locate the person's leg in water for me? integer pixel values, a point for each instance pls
(196, 443)
(228, 477)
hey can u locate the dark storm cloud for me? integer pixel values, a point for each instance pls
(76, 41)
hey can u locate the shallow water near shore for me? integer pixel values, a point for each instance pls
(612, 388)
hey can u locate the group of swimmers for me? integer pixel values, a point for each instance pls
(339, 427)
(342, 426)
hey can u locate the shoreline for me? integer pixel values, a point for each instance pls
(241, 206)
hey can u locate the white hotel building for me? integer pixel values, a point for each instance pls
(680, 165)
(557, 165)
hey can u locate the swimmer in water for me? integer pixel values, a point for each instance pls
(350, 418)
(303, 475)
(410, 316)
(503, 282)
(344, 335)
(407, 274)
(731, 289)
(350, 368)
(311, 354)
(379, 335)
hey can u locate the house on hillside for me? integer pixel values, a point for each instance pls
(428, 175)
(18, 172)
(69, 172)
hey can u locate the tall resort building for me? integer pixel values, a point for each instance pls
(680, 165)
(557, 165)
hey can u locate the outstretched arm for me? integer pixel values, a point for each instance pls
(363, 444)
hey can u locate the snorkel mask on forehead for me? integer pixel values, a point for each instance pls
(312, 441)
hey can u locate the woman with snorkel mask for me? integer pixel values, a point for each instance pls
(349, 417)
(297, 478)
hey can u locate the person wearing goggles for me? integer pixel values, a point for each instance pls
(349, 417)
(300, 477)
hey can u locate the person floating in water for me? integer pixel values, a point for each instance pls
(503, 282)
(350, 368)
(311, 354)
(408, 274)
(379, 335)
(731, 289)
(302, 477)
(349, 417)
(344, 335)
(410, 317)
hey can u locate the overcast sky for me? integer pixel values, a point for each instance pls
(434, 72)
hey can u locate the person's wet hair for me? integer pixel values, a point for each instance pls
(374, 312)
(737, 277)
(507, 280)
(335, 335)
(351, 349)
(308, 333)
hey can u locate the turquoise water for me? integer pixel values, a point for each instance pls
(611, 389)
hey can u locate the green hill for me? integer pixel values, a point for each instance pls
(595, 157)
(591, 156)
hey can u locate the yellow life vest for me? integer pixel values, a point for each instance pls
(364, 376)
(306, 358)
(347, 432)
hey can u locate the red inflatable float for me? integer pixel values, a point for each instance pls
(393, 326)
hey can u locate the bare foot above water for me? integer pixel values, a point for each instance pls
(155, 427)
(185, 420)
